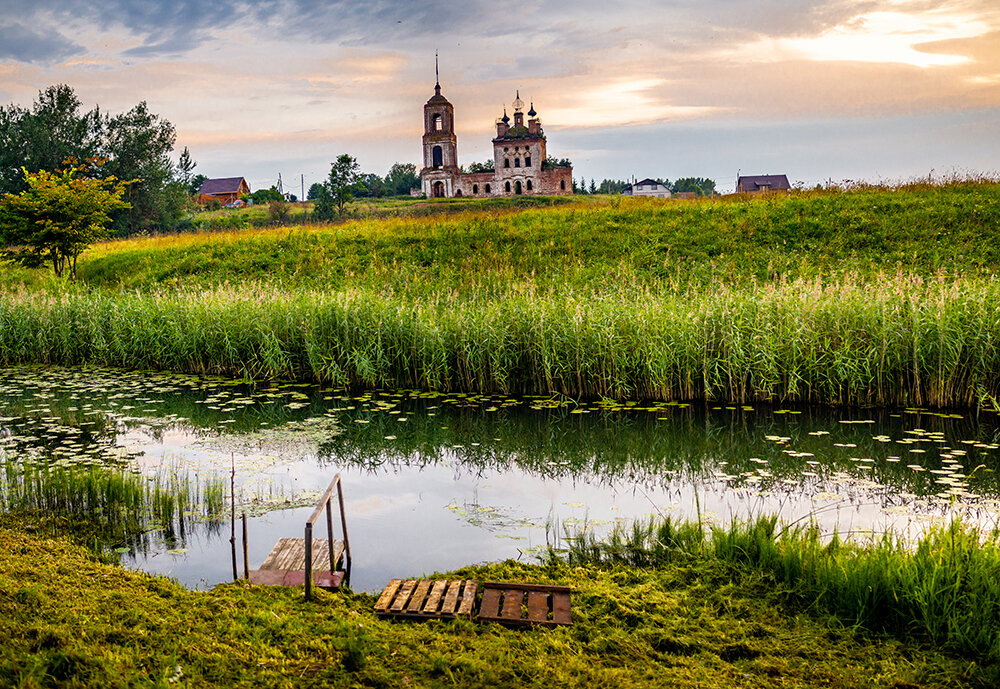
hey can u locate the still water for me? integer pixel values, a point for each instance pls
(435, 481)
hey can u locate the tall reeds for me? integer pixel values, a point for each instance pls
(112, 499)
(890, 341)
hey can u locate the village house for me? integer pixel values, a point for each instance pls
(761, 184)
(225, 190)
(647, 187)
(519, 156)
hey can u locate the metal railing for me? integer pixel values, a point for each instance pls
(325, 503)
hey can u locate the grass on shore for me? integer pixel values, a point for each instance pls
(68, 621)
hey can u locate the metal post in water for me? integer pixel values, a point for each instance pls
(232, 496)
(246, 561)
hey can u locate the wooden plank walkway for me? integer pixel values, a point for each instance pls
(524, 605)
(285, 565)
(424, 599)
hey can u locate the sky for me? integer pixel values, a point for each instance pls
(833, 91)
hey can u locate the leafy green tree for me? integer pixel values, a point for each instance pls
(136, 145)
(401, 178)
(59, 215)
(194, 186)
(485, 166)
(339, 188)
(699, 185)
(266, 195)
(315, 189)
(42, 138)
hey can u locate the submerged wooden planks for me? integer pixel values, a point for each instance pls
(427, 599)
(524, 605)
(285, 565)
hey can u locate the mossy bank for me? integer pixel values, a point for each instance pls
(69, 621)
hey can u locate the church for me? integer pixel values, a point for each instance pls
(519, 158)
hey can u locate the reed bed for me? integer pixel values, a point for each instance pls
(897, 340)
(943, 588)
(113, 499)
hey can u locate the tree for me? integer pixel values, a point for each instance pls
(185, 166)
(266, 195)
(315, 189)
(592, 189)
(401, 178)
(339, 188)
(59, 215)
(700, 185)
(485, 166)
(194, 186)
(278, 211)
(136, 145)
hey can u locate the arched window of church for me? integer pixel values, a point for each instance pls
(475, 188)
(507, 187)
(487, 188)
(517, 162)
(529, 185)
(506, 162)
(458, 192)
(438, 122)
(527, 161)
(562, 185)
(437, 157)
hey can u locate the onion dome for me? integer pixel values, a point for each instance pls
(532, 113)
(518, 103)
(505, 119)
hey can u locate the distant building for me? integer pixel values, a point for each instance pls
(519, 156)
(761, 184)
(647, 187)
(225, 190)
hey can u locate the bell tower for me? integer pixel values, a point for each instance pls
(440, 144)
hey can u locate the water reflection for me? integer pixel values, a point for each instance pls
(436, 481)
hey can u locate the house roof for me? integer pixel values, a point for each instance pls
(222, 185)
(648, 181)
(755, 182)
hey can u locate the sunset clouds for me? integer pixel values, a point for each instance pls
(647, 88)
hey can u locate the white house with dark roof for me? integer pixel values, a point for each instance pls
(647, 187)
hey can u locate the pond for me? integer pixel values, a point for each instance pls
(435, 481)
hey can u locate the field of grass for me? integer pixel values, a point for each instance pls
(692, 621)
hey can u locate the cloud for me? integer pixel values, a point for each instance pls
(18, 42)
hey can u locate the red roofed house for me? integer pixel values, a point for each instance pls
(761, 184)
(225, 190)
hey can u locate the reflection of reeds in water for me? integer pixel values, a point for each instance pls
(944, 587)
(112, 499)
(886, 340)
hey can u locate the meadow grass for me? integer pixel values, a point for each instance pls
(594, 245)
(943, 588)
(896, 341)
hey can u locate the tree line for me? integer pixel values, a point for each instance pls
(699, 185)
(55, 134)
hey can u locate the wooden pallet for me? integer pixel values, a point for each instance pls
(547, 606)
(425, 599)
(285, 565)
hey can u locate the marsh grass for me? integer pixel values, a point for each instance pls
(899, 340)
(118, 503)
(943, 587)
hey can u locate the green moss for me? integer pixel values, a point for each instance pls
(67, 620)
